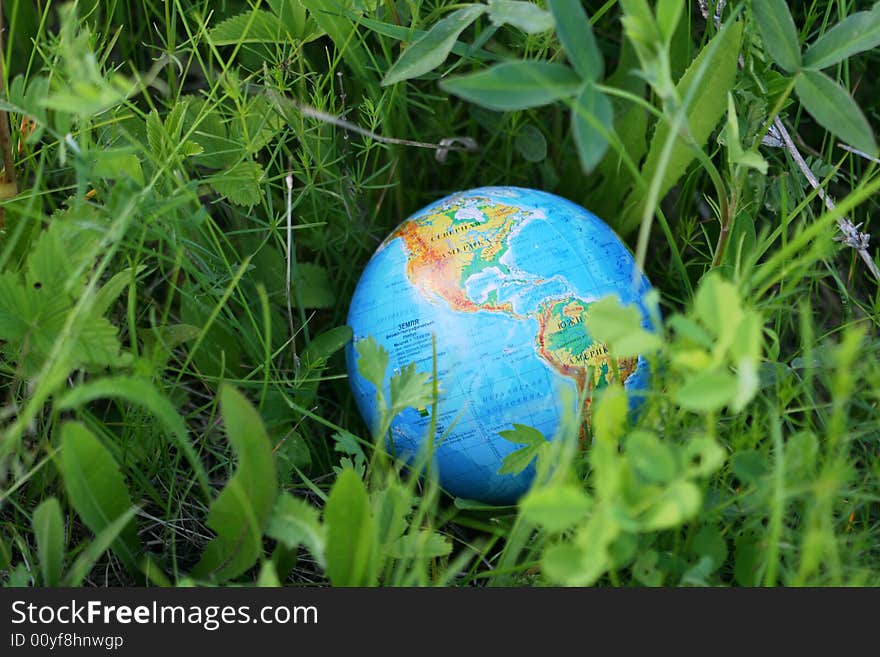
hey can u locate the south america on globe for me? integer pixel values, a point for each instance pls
(502, 278)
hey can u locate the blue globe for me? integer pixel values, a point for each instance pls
(503, 278)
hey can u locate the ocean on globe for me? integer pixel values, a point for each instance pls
(503, 278)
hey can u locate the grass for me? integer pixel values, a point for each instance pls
(142, 283)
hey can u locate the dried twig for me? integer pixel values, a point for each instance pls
(778, 137)
(850, 234)
(441, 149)
(856, 151)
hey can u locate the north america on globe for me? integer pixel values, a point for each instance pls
(503, 279)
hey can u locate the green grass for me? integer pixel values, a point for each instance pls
(142, 283)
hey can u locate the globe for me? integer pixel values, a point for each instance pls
(501, 280)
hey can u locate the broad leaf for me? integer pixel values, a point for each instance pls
(515, 85)
(556, 508)
(372, 363)
(411, 389)
(431, 49)
(576, 35)
(620, 327)
(854, 34)
(313, 286)
(592, 117)
(241, 511)
(96, 488)
(704, 87)
(352, 544)
(295, 522)
(241, 184)
(141, 392)
(778, 32)
(835, 110)
(707, 391)
(49, 531)
(526, 16)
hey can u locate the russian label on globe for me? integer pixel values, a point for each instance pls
(503, 279)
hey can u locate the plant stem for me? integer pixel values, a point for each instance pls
(5, 139)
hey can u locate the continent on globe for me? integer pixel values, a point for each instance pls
(503, 279)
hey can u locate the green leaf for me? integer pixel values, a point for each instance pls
(609, 414)
(422, 544)
(241, 184)
(102, 542)
(528, 17)
(854, 34)
(735, 152)
(707, 391)
(701, 456)
(677, 503)
(49, 531)
(556, 507)
(411, 389)
(515, 85)
(352, 544)
(324, 345)
(668, 15)
(576, 35)
(652, 459)
(331, 18)
(240, 513)
(96, 488)
(749, 465)
(259, 26)
(583, 564)
(431, 49)
(295, 522)
(620, 327)
(315, 288)
(111, 290)
(835, 110)
(372, 364)
(522, 434)
(778, 32)
(592, 117)
(531, 144)
(706, 83)
(141, 393)
(519, 460)
(717, 304)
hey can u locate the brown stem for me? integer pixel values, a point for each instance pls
(727, 217)
(5, 139)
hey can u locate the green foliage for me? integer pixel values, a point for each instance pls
(431, 49)
(240, 513)
(576, 35)
(143, 274)
(352, 544)
(49, 532)
(854, 34)
(702, 91)
(778, 33)
(834, 108)
(514, 85)
(97, 490)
